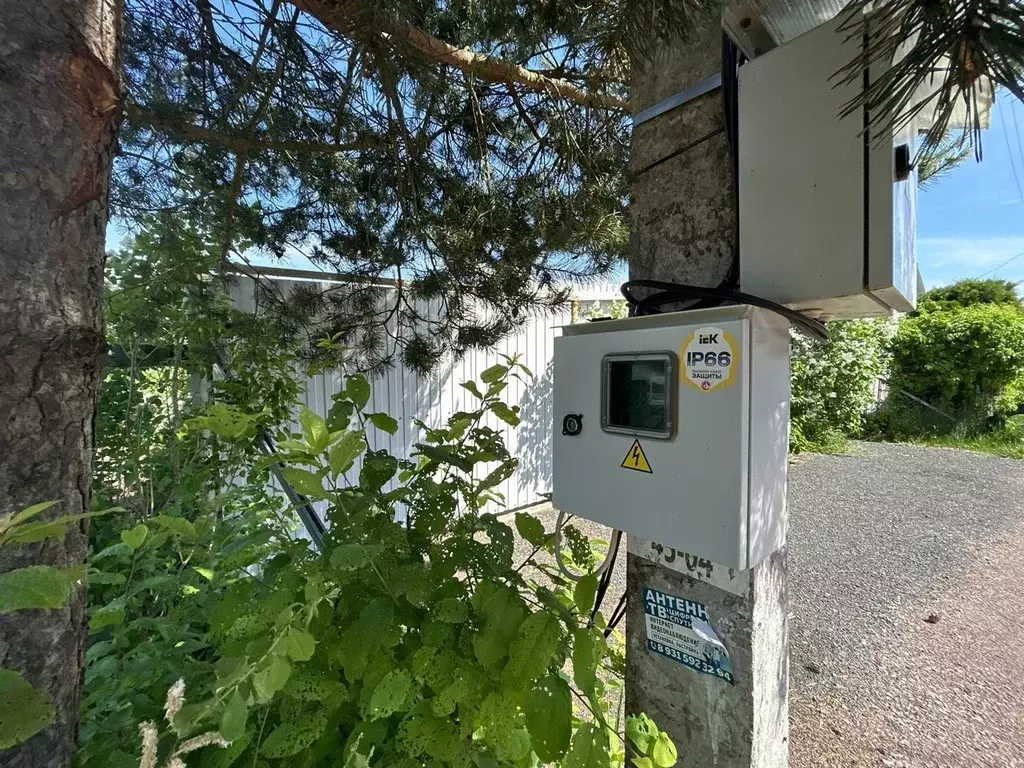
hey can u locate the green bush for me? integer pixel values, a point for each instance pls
(834, 383)
(404, 644)
(966, 293)
(960, 359)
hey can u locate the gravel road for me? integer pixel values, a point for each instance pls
(907, 592)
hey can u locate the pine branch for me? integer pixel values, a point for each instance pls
(348, 17)
(183, 129)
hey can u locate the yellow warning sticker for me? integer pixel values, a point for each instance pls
(636, 459)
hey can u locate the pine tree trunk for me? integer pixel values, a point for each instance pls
(59, 97)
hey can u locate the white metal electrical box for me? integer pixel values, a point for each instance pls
(827, 211)
(675, 428)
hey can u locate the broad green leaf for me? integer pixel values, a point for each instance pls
(109, 615)
(206, 573)
(531, 529)
(383, 422)
(50, 529)
(344, 453)
(584, 593)
(314, 429)
(179, 526)
(272, 678)
(502, 727)
(390, 694)
(340, 415)
(228, 422)
(29, 512)
(549, 717)
(293, 446)
(503, 613)
(358, 390)
(293, 736)
(300, 644)
(232, 721)
(533, 649)
(585, 658)
(444, 456)
(493, 374)
(498, 475)
(495, 389)
(189, 717)
(349, 557)
(136, 537)
(307, 684)
(641, 731)
(470, 386)
(664, 751)
(642, 762)
(37, 586)
(506, 414)
(451, 610)
(309, 484)
(589, 748)
(457, 428)
(24, 710)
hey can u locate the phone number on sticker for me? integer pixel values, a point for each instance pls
(691, 661)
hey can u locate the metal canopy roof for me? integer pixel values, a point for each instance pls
(757, 26)
(760, 25)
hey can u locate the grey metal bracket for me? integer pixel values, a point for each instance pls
(706, 85)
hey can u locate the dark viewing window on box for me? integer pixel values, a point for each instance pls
(638, 394)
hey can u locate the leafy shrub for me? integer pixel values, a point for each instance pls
(833, 384)
(960, 359)
(966, 293)
(1011, 400)
(403, 644)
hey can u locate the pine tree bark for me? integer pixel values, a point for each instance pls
(59, 105)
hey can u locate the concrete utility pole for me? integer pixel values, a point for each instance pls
(684, 230)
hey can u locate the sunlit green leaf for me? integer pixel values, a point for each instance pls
(314, 429)
(664, 751)
(309, 484)
(37, 586)
(585, 592)
(135, 537)
(494, 373)
(24, 710)
(344, 453)
(300, 644)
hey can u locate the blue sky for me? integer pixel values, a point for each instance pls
(972, 220)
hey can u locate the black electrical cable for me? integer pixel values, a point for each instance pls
(606, 577)
(675, 293)
(617, 615)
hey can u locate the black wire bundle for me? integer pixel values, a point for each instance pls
(673, 293)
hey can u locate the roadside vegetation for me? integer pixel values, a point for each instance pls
(219, 637)
(950, 373)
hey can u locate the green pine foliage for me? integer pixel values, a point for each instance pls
(279, 137)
